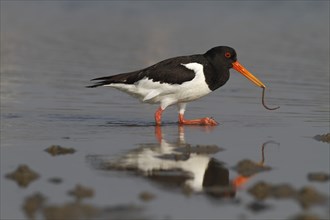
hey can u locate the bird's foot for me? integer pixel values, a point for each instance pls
(201, 121)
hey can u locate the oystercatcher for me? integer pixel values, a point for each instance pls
(179, 80)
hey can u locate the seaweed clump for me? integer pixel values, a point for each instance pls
(306, 196)
(56, 150)
(23, 175)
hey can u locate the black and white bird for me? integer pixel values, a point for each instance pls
(179, 80)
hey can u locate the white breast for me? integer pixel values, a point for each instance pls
(195, 88)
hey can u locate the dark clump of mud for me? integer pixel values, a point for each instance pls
(81, 192)
(33, 204)
(283, 191)
(200, 149)
(36, 206)
(23, 175)
(258, 206)
(55, 150)
(323, 137)
(55, 180)
(261, 190)
(71, 211)
(248, 168)
(306, 197)
(78, 210)
(146, 196)
(305, 216)
(318, 177)
(221, 192)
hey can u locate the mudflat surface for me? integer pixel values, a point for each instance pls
(106, 158)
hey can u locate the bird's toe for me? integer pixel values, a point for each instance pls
(209, 121)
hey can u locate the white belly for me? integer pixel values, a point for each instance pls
(167, 94)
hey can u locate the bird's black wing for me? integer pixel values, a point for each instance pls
(169, 71)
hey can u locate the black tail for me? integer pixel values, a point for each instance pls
(95, 85)
(126, 78)
(102, 83)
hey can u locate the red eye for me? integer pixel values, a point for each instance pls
(227, 55)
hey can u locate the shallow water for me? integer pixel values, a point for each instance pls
(49, 51)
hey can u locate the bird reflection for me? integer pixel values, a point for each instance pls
(177, 166)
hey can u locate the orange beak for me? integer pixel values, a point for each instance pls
(238, 67)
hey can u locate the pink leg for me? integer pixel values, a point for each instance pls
(200, 121)
(158, 116)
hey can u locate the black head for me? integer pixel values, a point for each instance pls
(221, 56)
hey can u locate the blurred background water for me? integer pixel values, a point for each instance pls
(50, 50)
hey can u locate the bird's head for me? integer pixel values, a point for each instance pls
(227, 57)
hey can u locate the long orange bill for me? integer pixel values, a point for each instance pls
(238, 67)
